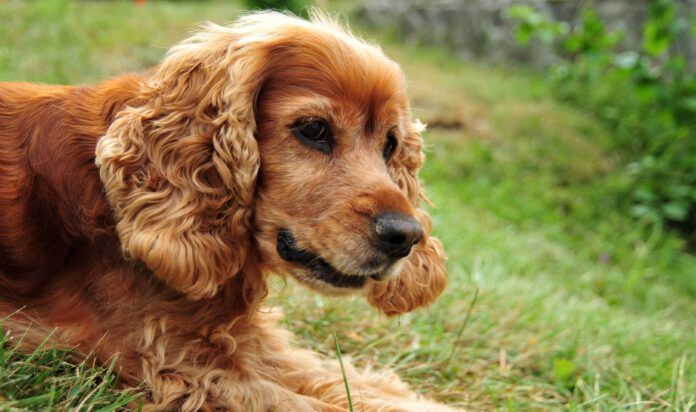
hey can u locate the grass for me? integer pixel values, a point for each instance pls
(343, 373)
(556, 300)
(52, 379)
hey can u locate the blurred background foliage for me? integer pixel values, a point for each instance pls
(646, 96)
(563, 183)
(298, 7)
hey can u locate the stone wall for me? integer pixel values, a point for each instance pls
(478, 28)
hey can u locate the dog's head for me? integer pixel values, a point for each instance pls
(281, 140)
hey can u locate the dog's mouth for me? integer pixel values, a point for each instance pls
(287, 248)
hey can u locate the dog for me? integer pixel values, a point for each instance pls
(142, 217)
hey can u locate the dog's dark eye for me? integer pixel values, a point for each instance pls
(314, 133)
(389, 147)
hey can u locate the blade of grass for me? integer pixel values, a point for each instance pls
(462, 327)
(343, 372)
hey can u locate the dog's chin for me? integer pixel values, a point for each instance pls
(318, 274)
(319, 285)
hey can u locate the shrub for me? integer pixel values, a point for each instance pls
(298, 7)
(646, 96)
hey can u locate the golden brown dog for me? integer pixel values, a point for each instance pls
(141, 217)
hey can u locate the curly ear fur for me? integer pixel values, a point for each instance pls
(424, 275)
(180, 170)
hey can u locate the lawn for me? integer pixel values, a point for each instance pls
(556, 299)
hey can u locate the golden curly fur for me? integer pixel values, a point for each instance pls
(161, 253)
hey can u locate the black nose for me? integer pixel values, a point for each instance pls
(396, 233)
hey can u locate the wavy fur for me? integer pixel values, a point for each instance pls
(160, 254)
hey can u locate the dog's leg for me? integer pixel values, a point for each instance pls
(249, 364)
(227, 367)
(202, 387)
(306, 373)
(370, 390)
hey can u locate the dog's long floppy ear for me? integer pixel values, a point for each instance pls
(423, 276)
(180, 169)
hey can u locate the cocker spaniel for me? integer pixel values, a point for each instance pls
(141, 217)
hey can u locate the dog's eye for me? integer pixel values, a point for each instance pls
(389, 147)
(314, 133)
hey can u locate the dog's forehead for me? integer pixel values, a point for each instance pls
(348, 78)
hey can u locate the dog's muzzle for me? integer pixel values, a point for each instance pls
(287, 248)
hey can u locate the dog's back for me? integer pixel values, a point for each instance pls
(50, 192)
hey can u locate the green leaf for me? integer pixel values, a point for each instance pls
(626, 60)
(524, 34)
(689, 103)
(563, 370)
(641, 211)
(656, 40)
(675, 210)
(645, 194)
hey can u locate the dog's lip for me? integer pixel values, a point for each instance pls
(287, 248)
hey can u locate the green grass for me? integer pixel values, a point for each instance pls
(51, 379)
(556, 300)
(343, 373)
